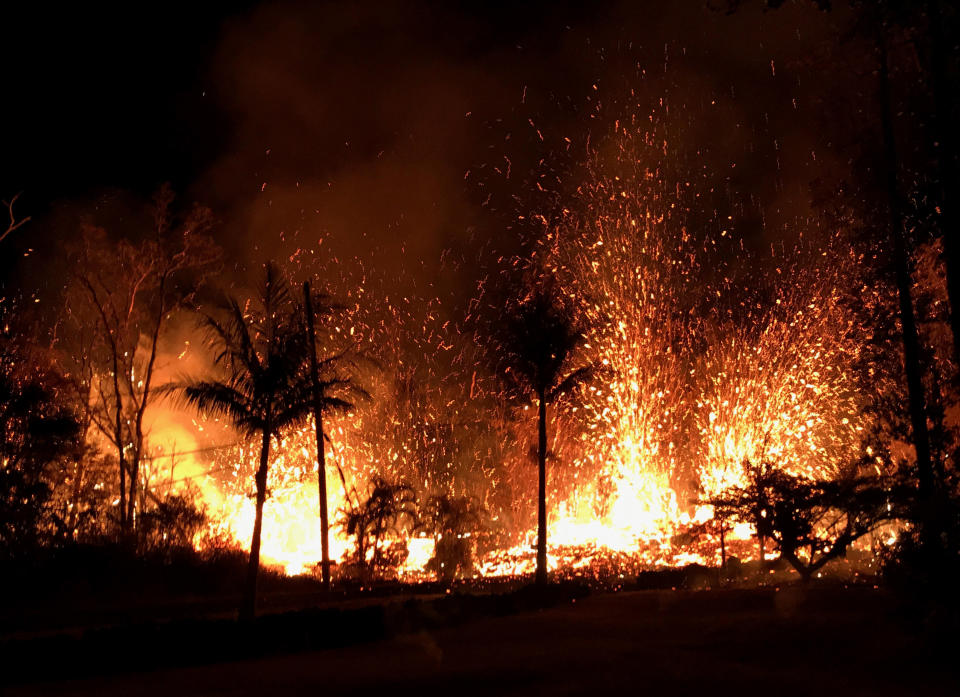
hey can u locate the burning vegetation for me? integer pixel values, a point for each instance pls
(667, 368)
(630, 384)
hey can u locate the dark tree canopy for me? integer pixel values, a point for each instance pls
(538, 345)
(811, 522)
(39, 431)
(377, 524)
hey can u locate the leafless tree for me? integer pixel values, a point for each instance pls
(121, 297)
(13, 223)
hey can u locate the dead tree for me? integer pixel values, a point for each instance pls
(127, 292)
(13, 223)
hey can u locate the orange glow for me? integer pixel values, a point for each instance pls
(700, 372)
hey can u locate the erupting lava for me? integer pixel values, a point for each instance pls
(704, 368)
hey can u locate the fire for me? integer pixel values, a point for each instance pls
(704, 367)
(785, 392)
(701, 374)
(291, 530)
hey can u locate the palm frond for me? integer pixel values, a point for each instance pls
(538, 340)
(215, 398)
(576, 379)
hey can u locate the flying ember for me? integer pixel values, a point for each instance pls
(702, 369)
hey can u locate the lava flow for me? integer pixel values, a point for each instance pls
(704, 369)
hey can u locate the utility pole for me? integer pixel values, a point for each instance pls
(318, 423)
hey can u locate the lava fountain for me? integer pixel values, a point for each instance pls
(705, 366)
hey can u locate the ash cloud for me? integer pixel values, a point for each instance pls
(357, 123)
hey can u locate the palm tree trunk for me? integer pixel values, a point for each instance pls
(542, 494)
(321, 459)
(249, 606)
(322, 492)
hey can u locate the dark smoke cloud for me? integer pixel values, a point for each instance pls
(357, 122)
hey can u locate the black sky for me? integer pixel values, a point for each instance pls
(98, 94)
(358, 121)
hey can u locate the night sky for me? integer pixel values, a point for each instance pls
(359, 122)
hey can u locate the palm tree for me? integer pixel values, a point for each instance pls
(331, 391)
(452, 520)
(265, 386)
(389, 511)
(540, 342)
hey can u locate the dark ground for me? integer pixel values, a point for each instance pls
(831, 641)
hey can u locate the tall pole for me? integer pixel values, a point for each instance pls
(318, 423)
(541, 577)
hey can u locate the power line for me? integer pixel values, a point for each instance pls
(175, 453)
(204, 473)
(170, 482)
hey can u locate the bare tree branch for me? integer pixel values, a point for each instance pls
(14, 223)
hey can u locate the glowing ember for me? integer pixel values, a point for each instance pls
(703, 368)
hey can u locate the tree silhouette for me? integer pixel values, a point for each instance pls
(451, 520)
(811, 522)
(538, 347)
(38, 428)
(121, 297)
(389, 510)
(925, 26)
(265, 386)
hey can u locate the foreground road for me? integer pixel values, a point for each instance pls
(651, 643)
